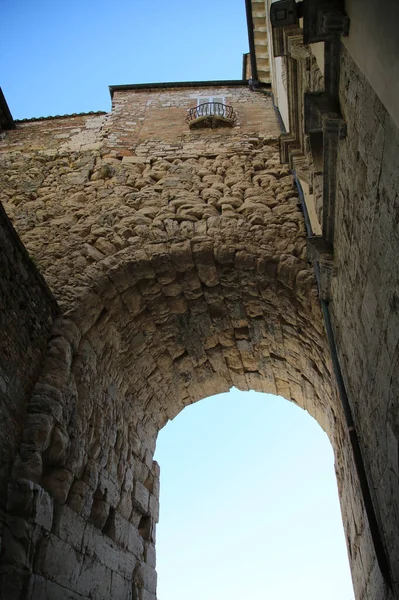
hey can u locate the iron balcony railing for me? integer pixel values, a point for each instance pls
(211, 114)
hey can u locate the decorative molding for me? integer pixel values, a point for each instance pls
(312, 111)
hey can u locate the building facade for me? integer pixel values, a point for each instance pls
(334, 73)
(183, 258)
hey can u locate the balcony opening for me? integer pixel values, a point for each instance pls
(211, 112)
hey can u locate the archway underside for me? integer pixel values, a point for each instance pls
(226, 300)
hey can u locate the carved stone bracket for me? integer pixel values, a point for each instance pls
(322, 114)
(321, 251)
(324, 20)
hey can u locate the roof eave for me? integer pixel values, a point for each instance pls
(177, 84)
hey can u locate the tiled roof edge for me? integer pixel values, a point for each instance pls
(51, 117)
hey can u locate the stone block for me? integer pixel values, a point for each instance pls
(28, 463)
(96, 544)
(134, 160)
(58, 481)
(146, 595)
(44, 507)
(150, 554)
(42, 589)
(46, 399)
(125, 505)
(94, 579)
(153, 508)
(120, 587)
(90, 476)
(58, 561)
(110, 487)
(147, 529)
(124, 534)
(38, 430)
(146, 577)
(69, 526)
(17, 543)
(140, 497)
(99, 512)
(27, 499)
(13, 582)
(80, 498)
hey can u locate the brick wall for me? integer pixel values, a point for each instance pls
(159, 114)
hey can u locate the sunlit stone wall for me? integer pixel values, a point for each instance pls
(179, 264)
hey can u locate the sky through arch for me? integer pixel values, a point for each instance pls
(249, 504)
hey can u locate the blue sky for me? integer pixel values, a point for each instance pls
(59, 57)
(249, 503)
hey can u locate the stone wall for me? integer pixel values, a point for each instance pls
(27, 309)
(75, 132)
(366, 289)
(178, 259)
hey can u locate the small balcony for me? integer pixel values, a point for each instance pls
(211, 115)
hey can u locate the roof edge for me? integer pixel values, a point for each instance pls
(52, 117)
(6, 120)
(177, 84)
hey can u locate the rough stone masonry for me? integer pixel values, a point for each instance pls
(178, 262)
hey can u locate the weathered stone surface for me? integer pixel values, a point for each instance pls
(42, 589)
(178, 260)
(27, 310)
(59, 562)
(366, 285)
(69, 526)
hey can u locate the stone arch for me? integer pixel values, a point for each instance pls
(159, 329)
(167, 330)
(211, 289)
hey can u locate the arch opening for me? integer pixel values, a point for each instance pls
(249, 503)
